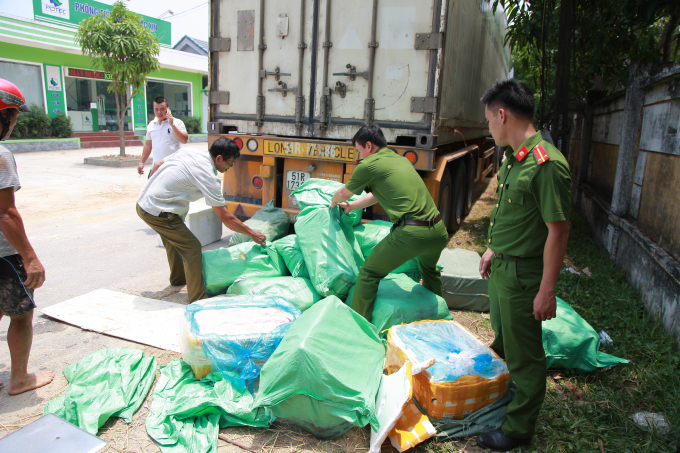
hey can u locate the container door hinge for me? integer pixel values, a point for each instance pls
(219, 97)
(429, 41)
(220, 44)
(424, 105)
(369, 111)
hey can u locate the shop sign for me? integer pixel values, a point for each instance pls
(71, 13)
(89, 74)
(53, 90)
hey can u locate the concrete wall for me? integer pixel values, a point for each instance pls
(626, 158)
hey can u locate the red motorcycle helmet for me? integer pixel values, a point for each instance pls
(11, 97)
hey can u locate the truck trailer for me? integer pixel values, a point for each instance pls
(291, 81)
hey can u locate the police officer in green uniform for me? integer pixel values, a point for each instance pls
(418, 231)
(527, 240)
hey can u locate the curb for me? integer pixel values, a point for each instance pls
(21, 146)
(110, 163)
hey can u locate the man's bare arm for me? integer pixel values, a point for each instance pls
(234, 224)
(146, 152)
(12, 227)
(340, 196)
(545, 303)
(363, 202)
(183, 137)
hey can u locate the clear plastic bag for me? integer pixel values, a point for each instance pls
(236, 335)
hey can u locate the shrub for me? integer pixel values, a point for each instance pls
(34, 124)
(192, 123)
(61, 126)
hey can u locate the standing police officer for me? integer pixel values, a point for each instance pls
(418, 231)
(527, 241)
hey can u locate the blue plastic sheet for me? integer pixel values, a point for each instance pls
(456, 351)
(240, 333)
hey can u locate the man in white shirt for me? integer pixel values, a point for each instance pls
(164, 135)
(163, 203)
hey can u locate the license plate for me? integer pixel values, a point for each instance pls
(307, 150)
(295, 179)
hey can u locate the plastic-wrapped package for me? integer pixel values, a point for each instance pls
(318, 192)
(235, 335)
(331, 252)
(222, 267)
(400, 300)
(289, 249)
(464, 288)
(299, 291)
(443, 390)
(325, 374)
(271, 221)
(571, 343)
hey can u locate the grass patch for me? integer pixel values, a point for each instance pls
(590, 412)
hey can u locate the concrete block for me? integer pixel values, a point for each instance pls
(21, 146)
(111, 163)
(204, 223)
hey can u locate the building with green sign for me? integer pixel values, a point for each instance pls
(40, 56)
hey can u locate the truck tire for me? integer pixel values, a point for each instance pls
(470, 168)
(452, 196)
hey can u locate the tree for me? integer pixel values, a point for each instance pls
(606, 37)
(119, 44)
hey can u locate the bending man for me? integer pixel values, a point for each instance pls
(418, 231)
(163, 203)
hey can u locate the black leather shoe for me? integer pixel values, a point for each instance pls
(497, 440)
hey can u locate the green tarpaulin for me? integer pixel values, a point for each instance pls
(464, 288)
(271, 221)
(400, 300)
(331, 252)
(325, 374)
(107, 383)
(289, 249)
(571, 343)
(186, 414)
(318, 192)
(298, 291)
(222, 267)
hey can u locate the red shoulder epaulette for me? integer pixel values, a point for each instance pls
(540, 154)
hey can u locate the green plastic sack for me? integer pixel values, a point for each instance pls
(186, 414)
(401, 300)
(483, 420)
(331, 252)
(289, 249)
(571, 343)
(325, 374)
(108, 383)
(464, 288)
(370, 234)
(318, 192)
(298, 291)
(222, 267)
(271, 221)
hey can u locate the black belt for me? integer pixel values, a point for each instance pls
(512, 257)
(420, 222)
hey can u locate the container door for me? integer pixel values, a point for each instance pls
(239, 69)
(400, 71)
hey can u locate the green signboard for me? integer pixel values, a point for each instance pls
(70, 13)
(139, 112)
(54, 91)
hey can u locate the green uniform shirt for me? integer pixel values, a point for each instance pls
(529, 195)
(395, 184)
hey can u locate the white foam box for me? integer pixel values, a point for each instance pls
(203, 222)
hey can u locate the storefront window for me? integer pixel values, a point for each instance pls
(27, 77)
(177, 95)
(81, 94)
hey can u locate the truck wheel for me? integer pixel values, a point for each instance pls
(445, 196)
(457, 197)
(470, 168)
